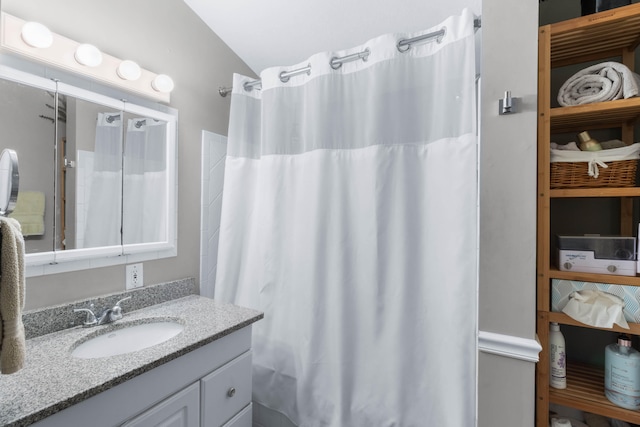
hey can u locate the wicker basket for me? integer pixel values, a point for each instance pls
(619, 173)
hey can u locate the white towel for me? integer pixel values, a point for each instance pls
(29, 212)
(601, 82)
(12, 290)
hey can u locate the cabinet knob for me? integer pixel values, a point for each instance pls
(231, 392)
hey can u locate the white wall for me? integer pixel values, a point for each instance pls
(506, 387)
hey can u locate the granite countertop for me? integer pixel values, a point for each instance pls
(53, 380)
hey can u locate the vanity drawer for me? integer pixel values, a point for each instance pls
(226, 391)
(243, 419)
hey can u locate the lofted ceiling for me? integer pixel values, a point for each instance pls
(285, 32)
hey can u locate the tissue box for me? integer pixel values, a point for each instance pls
(562, 289)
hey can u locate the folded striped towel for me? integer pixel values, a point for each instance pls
(29, 212)
(601, 82)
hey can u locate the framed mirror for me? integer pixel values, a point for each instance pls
(100, 170)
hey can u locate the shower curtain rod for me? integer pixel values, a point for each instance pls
(336, 62)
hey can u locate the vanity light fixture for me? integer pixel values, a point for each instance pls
(35, 42)
(88, 54)
(162, 83)
(129, 70)
(36, 35)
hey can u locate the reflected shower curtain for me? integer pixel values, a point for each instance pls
(145, 175)
(102, 220)
(349, 218)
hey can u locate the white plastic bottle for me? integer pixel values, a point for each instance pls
(557, 357)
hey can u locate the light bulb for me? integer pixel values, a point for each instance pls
(36, 35)
(129, 70)
(89, 55)
(162, 83)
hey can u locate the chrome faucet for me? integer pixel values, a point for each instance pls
(112, 314)
(108, 315)
(91, 318)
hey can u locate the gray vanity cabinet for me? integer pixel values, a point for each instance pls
(226, 391)
(180, 410)
(209, 386)
(242, 419)
(210, 402)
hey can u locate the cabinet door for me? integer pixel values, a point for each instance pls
(180, 410)
(225, 391)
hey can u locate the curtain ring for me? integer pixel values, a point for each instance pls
(283, 77)
(247, 87)
(441, 36)
(286, 75)
(405, 44)
(403, 48)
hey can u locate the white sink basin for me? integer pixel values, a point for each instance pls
(127, 339)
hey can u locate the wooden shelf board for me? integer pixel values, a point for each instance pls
(554, 273)
(594, 116)
(595, 192)
(563, 319)
(585, 391)
(581, 37)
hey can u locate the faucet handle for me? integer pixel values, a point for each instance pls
(116, 311)
(123, 299)
(91, 317)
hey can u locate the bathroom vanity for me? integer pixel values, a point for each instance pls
(200, 377)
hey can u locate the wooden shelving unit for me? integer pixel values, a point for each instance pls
(585, 391)
(613, 33)
(594, 116)
(563, 319)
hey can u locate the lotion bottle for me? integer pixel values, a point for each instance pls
(558, 357)
(586, 143)
(622, 374)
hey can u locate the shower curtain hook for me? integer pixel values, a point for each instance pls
(405, 44)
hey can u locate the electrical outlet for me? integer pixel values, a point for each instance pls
(134, 276)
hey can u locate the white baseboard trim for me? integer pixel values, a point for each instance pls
(509, 346)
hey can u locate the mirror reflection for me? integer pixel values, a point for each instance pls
(90, 176)
(145, 180)
(27, 120)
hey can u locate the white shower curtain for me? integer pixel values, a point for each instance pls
(103, 195)
(349, 218)
(145, 177)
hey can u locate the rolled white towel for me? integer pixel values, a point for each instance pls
(566, 422)
(601, 82)
(570, 146)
